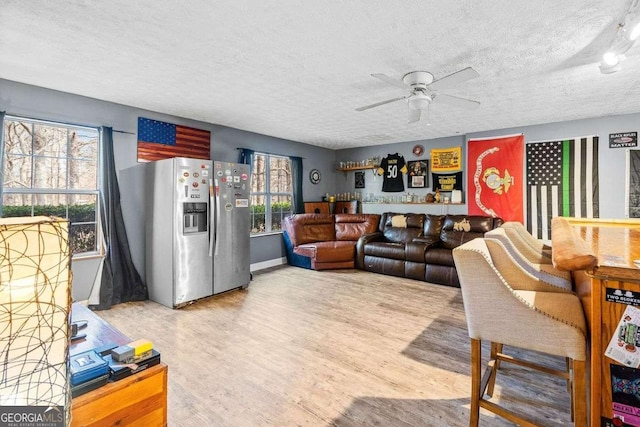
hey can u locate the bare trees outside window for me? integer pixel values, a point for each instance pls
(52, 169)
(271, 192)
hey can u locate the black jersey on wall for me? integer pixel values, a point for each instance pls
(392, 168)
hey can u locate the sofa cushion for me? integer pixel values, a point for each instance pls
(439, 256)
(433, 225)
(385, 250)
(459, 229)
(352, 226)
(328, 251)
(309, 228)
(414, 227)
(399, 221)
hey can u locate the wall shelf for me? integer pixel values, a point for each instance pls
(357, 168)
(411, 203)
(372, 168)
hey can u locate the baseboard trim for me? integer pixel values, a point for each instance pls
(269, 263)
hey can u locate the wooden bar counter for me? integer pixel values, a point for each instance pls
(616, 244)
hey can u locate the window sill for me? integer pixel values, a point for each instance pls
(270, 233)
(88, 256)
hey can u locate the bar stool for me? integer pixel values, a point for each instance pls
(505, 253)
(533, 249)
(499, 312)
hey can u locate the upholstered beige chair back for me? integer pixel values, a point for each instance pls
(499, 313)
(518, 269)
(530, 247)
(536, 244)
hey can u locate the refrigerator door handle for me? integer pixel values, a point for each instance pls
(212, 230)
(217, 222)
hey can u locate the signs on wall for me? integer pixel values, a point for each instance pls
(160, 140)
(633, 184)
(418, 174)
(623, 139)
(392, 167)
(495, 176)
(446, 159)
(447, 181)
(562, 180)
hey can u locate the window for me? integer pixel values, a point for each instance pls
(271, 192)
(52, 169)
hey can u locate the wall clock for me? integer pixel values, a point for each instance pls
(314, 176)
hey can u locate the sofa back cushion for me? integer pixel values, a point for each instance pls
(310, 228)
(401, 227)
(458, 229)
(433, 225)
(352, 226)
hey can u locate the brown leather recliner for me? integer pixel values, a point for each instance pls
(324, 241)
(418, 246)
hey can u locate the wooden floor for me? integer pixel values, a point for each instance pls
(330, 348)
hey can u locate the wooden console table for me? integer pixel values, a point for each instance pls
(616, 243)
(140, 399)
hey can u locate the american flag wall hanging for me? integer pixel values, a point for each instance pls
(562, 180)
(160, 140)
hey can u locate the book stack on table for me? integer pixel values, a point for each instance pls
(94, 368)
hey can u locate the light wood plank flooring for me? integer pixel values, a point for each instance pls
(330, 348)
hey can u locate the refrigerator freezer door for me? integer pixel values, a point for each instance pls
(178, 261)
(231, 265)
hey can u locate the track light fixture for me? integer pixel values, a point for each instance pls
(626, 34)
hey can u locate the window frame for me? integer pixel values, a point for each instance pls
(268, 194)
(34, 191)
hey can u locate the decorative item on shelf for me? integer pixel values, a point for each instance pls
(437, 196)
(430, 198)
(314, 176)
(36, 301)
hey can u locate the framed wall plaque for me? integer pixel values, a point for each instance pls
(418, 175)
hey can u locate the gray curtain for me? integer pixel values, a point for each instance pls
(296, 172)
(246, 158)
(121, 281)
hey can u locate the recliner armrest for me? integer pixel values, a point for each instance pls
(430, 241)
(362, 241)
(414, 251)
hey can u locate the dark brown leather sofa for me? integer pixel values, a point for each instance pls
(325, 241)
(418, 246)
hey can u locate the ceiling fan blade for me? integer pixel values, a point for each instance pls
(456, 101)
(454, 78)
(377, 104)
(391, 81)
(414, 115)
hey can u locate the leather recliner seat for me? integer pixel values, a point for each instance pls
(325, 241)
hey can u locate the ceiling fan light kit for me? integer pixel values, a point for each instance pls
(424, 90)
(419, 101)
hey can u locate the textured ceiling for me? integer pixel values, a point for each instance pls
(297, 70)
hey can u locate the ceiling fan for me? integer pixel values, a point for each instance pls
(424, 90)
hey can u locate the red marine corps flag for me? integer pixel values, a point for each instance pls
(495, 174)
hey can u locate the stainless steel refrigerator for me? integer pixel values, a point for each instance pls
(197, 229)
